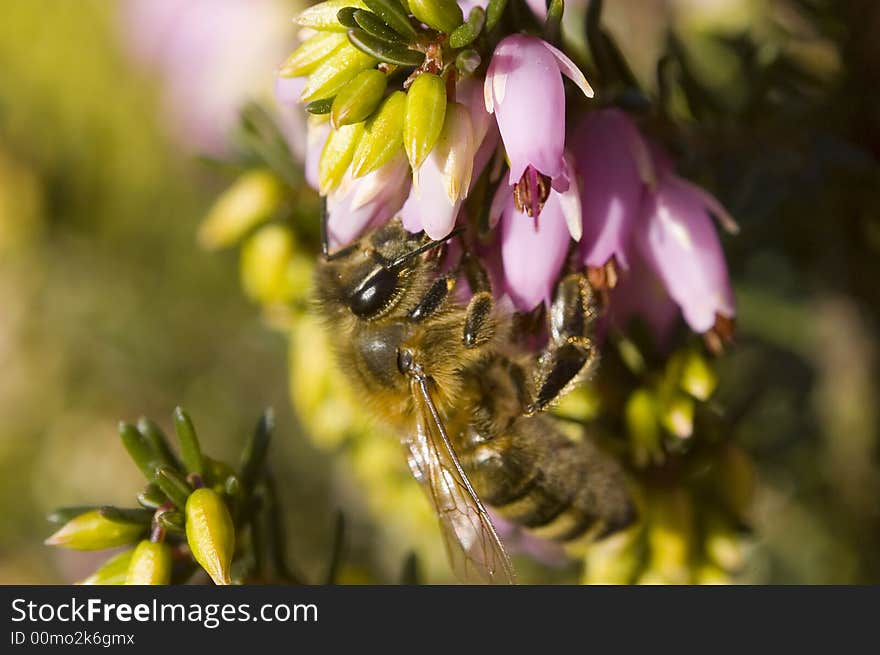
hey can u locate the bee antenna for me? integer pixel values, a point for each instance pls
(400, 261)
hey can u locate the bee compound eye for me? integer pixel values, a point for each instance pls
(404, 360)
(374, 292)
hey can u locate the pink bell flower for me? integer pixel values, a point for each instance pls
(614, 166)
(679, 242)
(533, 249)
(524, 89)
(360, 203)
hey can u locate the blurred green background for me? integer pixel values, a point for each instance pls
(109, 310)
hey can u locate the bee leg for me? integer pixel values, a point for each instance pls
(559, 370)
(480, 325)
(570, 355)
(434, 299)
(476, 276)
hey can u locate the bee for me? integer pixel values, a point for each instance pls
(467, 400)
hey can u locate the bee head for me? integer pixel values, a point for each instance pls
(372, 275)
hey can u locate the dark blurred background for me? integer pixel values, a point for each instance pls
(109, 310)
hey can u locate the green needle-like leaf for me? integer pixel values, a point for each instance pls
(190, 451)
(394, 16)
(346, 17)
(151, 497)
(494, 11)
(320, 106)
(254, 455)
(135, 516)
(553, 24)
(155, 437)
(390, 53)
(172, 520)
(173, 485)
(62, 515)
(139, 449)
(375, 26)
(467, 33)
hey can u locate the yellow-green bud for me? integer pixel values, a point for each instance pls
(263, 265)
(677, 415)
(614, 560)
(299, 277)
(112, 572)
(735, 479)
(670, 534)
(709, 574)
(425, 114)
(643, 427)
(722, 545)
(442, 15)
(337, 154)
(251, 199)
(335, 72)
(210, 533)
(150, 564)
(359, 98)
(322, 16)
(308, 56)
(383, 136)
(697, 376)
(91, 531)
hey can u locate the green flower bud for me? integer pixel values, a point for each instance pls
(614, 560)
(735, 479)
(670, 534)
(111, 572)
(677, 415)
(424, 117)
(337, 70)
(709, 574)
(643, 427)
(263, 265)
(306, 58)
(91, 531)
(150, 564)
(697, 376)
(357, 101)
(442, 15)
(383, 136)
(722, 545)
(210, 533)
(299, 277)
(251, 199)
(322, 16)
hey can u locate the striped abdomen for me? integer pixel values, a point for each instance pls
(535, 476)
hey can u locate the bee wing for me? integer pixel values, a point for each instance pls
(475, 551)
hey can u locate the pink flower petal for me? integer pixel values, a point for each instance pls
(524, 90)
(679, 241)
(611, 184)
(568, 68)
(533, 252)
